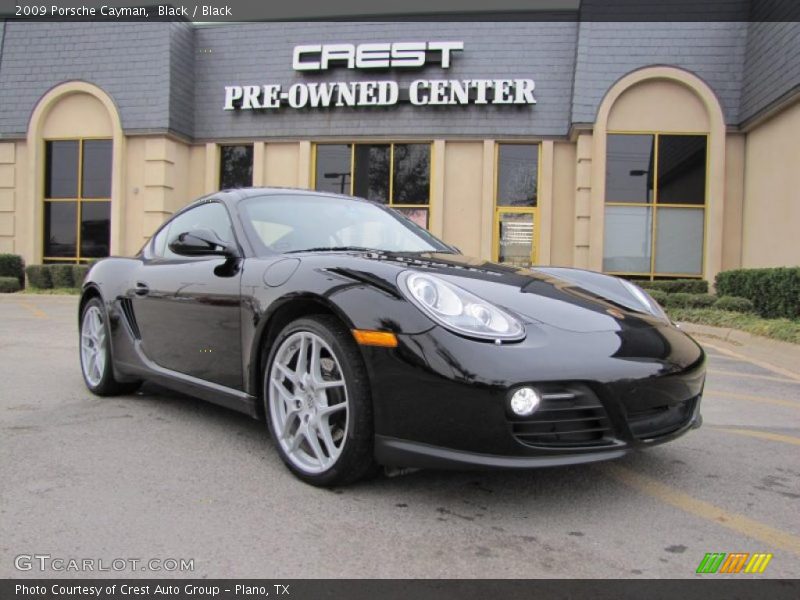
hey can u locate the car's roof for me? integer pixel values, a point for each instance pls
(234, 196)
(238, 194)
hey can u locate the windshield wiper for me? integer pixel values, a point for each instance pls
(335, 249)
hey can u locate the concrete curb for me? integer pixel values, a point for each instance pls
(781, 357)
(26, 296)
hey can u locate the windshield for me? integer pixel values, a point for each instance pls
(296, 223)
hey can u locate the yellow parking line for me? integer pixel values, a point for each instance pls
(705, 510)
(751, 398)
(754, 361)
(750, 375)
(35, 311)
(762, 435)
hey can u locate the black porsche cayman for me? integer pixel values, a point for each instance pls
(362, 340)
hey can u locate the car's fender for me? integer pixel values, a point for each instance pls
(323, 286)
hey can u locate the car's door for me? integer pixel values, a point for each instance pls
(188, 309)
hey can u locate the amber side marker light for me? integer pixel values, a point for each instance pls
(365, 337)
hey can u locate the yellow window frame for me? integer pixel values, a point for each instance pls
(525, 210)
(391, 203)
(652, 274)
(79, 200)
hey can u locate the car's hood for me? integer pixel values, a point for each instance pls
(570, 299)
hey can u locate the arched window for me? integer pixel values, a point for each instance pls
(655, 204)
(76, 143)
(657, 183)
(77, 199)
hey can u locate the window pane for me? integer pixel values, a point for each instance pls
(96, 169)
(211, 216)
(333, 168)
(95, 229)
(330, 221)
(235, 167)
(516, 239)
(679, 240)
(628, 242)
(681, 169)
(418, 215)
(160, 242)
(629, 168)
(517, 174)
(412, 173)
(60, 228)
(61, 169)
(371, 172)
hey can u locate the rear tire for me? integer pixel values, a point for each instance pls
(97, 364)
(318, 404)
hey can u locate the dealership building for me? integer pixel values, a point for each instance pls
(644, 149)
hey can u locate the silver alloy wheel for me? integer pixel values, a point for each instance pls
(308, 402)
(93, 346)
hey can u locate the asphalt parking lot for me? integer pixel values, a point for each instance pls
(158, 475)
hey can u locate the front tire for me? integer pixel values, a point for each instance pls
(317, 402)
(95, 353)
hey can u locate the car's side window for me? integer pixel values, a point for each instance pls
(160, 242)
(211, 216)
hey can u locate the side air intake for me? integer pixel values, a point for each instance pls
(130, 318)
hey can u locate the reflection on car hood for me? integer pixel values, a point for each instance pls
(569, 299)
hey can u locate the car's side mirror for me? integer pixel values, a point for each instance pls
(201, 242)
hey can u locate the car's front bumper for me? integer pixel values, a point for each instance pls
(403, 453)
(442, 401)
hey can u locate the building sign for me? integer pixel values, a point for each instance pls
(387, 92)
(319, 57)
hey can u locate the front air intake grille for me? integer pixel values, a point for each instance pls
(661, 420)
(130, 318)
(569, 416)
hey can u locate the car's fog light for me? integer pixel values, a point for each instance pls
(525, 401)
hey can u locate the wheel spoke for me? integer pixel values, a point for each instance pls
(287, 372)
(313, 441)
(285, 395)
(324, 385)
(302, 357)
(327, 439)
(287, 424)
(296, 440)
(313, 369)
(328, 410)
(96, 366)
(97, 324)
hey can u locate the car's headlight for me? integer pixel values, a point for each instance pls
(647, 302)
(457, 309)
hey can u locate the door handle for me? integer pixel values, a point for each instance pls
(141, 289)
